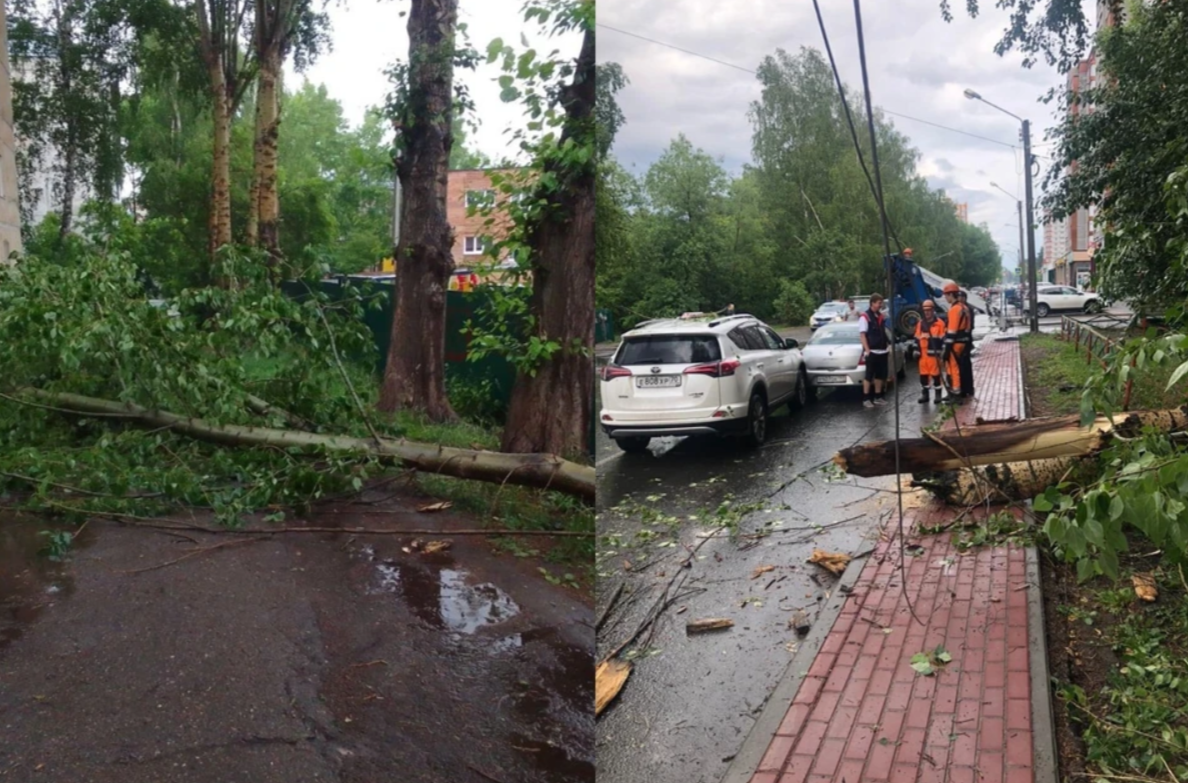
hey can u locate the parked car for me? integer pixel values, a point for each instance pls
(1062, 297)
(699, 376)
(833, 357)
(830, 312)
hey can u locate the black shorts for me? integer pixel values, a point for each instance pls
(876, 367)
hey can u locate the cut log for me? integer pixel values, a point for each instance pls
(543, 471)
(992, 444)
(995, 484)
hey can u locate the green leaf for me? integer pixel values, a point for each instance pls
(1088, 411)
(1180, 372)
(922, 664)
(493, 49)
(1117, 507)
(1043, 503)
(1086, 569)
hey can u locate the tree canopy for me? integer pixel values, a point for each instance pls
(687, 234)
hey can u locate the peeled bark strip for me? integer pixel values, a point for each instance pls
(991, 444)
(550, 411)
(414, 377)
(996, 484)
(543, 471)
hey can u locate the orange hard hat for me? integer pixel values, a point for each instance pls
(950, 287)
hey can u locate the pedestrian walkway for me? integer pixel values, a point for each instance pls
(862, 713)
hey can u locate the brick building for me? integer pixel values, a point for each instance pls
(962, 212)
(472, 234)
(1077, 238)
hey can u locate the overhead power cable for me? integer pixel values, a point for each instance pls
(754, 72)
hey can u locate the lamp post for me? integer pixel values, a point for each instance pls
(1027, 163)
(1019, 204)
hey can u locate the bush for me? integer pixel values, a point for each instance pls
(794, 305)
(475, 399)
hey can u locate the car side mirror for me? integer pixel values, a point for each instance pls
(789, 344)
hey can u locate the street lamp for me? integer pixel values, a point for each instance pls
(1028, 160)
(1020, 205)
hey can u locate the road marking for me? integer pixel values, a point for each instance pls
(605, 460)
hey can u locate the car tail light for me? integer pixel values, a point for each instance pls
(610, 372)
(862, 360)
(715, 370)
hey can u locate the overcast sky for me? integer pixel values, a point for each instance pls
(919, 65)
(369, 35)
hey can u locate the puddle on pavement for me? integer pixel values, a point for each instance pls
(444, 597)
(29, 581)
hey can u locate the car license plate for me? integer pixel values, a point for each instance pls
(657, 381)
(831, 379)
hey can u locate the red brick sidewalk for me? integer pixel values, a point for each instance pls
(863, 714)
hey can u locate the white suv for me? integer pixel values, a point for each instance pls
(699, 375)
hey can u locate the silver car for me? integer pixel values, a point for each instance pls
(833, 357)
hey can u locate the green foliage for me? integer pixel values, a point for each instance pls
(89, 329)
(794, 305)
(1130, 153)
(1136, 724)
(695, 237)
(1059, 32)
(1141, 482)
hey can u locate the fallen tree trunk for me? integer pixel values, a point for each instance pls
(996, 484)
(543, 471)
(992, 444)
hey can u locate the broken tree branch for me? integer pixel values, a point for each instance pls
(531, 470)
(992, 444)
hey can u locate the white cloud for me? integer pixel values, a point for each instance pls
(374, 34)
(919, 65)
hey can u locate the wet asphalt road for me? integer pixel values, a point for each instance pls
(692, 699)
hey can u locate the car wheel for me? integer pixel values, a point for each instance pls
(756, 421)
(800, 399)
(1043, 309)
(633, 445)
(1093, 306)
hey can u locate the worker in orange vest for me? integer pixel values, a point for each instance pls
(958, 344)
(930, 334)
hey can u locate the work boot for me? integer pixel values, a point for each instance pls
(939, 394)
(923, 396)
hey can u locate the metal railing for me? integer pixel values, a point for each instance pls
(1098, 345)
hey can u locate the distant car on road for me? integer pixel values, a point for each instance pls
(833, 357)
(1061, 297)
(699, 376)
(830, 312)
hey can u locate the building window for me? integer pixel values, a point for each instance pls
(474, 246)
(480, 199)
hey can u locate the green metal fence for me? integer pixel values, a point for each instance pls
(460, 308)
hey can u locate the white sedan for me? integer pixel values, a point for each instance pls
(833, 357)
(1061, 297)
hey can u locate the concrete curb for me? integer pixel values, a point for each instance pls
(1043, 720)
(743, 766)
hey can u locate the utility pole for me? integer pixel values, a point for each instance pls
(1034, 282)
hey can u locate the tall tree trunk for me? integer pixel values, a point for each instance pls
(69, 174)
(220, 203)
(267, 135)
(550, 411)
(252, 235)
(414, 377)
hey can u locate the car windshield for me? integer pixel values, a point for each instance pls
(836, 336)
(833, 307)
(669, 349)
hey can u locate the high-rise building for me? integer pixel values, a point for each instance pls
(962, 212)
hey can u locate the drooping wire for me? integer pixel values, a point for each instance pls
(841, 91)
(877, 191)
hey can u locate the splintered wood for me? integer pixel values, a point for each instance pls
(833, 562)
(993, 444)
(609, 678)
